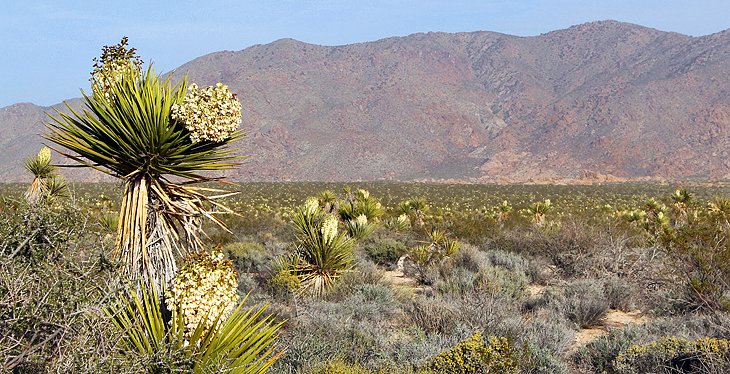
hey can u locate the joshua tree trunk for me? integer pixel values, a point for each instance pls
(145, 240)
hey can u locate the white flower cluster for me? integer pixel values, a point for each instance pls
(212, 113)
(112, 72)
(363, 194)
(204, 288)
(403, 219)
(329, 228)
(44, 155)
(362, 220)
(311, 206)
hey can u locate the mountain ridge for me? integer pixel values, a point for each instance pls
(600, 101)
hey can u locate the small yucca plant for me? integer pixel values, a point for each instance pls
(323, 252)
(238, 342)
(359, 228)
(538, 210)
(46, 183)
(416, 209)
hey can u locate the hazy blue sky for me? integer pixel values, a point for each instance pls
(46, 46)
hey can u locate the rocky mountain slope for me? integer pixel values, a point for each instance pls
(599, 101)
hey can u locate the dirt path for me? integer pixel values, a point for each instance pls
(613, 319)
(397, 278)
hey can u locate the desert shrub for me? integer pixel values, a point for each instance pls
(365, 273)
(458, 280)
(672, 355)
(568, 247)
(539, 271)
(695, 241)
(548, 331)
(619, 293)
(339, 367)
(475, 355)
(508, 260)
(33, 233)
(508, 283)
(469, 258)
(247, 256)
(538, 360)
(386, 251)
(433, 315)
(284, 284)
(598, 356)
(351, 331)
(585, 302)
(52, 282)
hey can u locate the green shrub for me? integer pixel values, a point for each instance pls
(672, 355)
(247, 256)
(599, 355)
(540, 360)
(474, 355)
(339, 367)
(53, 277)
(284, 283)
(386, 251)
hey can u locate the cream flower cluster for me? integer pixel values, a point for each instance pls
(44, 155)
(362, 220)
(204, 288)
(212, 113)
(311, 206)
(403, 219)
(112, 72)
(329, 228)
(363, 194)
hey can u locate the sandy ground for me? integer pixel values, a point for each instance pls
(613, 319)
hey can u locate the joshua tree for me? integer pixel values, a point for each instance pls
(156, 137)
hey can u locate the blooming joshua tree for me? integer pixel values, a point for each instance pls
(157, 138)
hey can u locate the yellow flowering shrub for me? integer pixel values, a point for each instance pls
(284, 283)
(675, 354)
(474, 355)
(204, 288)
(210, 114)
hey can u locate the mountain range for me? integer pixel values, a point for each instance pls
(597, 102)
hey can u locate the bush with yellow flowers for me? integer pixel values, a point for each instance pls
(475, 355)
(673, 355)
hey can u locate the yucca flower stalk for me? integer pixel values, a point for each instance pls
(127, 130)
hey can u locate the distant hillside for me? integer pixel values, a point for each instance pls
(599, 101)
